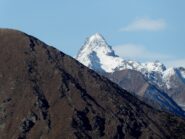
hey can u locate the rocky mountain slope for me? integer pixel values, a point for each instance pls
(99, 56)
(47, 94)
(134, 82)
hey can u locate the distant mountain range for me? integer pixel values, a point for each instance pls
(152, 82)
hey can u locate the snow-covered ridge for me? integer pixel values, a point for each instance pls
(99, 56)
(96, 47)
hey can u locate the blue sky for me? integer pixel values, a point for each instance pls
(137, 29)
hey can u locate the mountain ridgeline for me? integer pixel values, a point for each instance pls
(47, 94)
(151, 82)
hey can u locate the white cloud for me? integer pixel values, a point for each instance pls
(138, 52)
(145, 24)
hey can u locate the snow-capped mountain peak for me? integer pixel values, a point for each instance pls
(96, 39)
(98, 44)
(97, 54)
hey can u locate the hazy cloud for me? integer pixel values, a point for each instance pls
(175, 62)
(145, 24)
(137, 51)
(140, 53)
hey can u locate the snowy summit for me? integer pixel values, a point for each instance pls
(98, 55)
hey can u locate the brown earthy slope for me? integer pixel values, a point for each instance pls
(45, 94)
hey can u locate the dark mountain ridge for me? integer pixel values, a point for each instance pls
(47, 94)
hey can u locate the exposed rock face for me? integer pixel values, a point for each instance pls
(47, 94)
